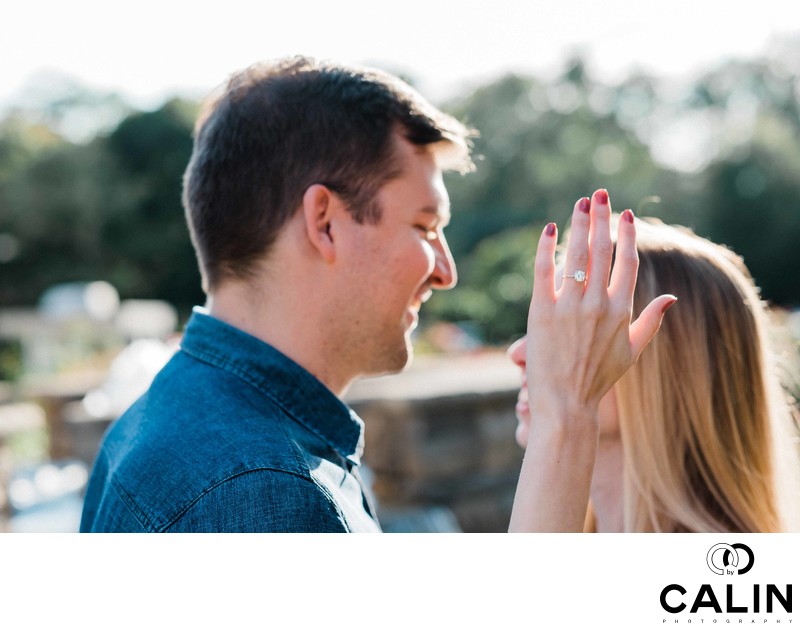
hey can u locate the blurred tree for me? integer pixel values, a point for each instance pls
(68, 107)
(719, 153)
(495, 287)
(51, 208)
(753, 206)
(541, 147)
(146, 224)
(20, 141)
(750, 193)
(109, 209)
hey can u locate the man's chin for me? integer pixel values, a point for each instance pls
(393, 360)
(402, 357)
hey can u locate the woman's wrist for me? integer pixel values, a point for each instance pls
(556, 474)
(565, 415)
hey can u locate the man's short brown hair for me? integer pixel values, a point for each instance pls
(276, 129)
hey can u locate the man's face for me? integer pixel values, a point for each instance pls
(398, 261)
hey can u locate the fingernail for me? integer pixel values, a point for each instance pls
(550, 230)
(583, 204)
(601, 196)
(628, 215)
(669, 304)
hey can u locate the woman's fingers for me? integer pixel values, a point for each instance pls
(590, 250)
(577, 259)
(600, 245)
(644, 328)
(623, 284)
(626, 261)
(544, 291)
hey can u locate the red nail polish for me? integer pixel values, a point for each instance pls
(550, 230)
(628, 215)
(601, 196)
(669, 304)
(583, 204)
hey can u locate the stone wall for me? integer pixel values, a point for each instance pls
(442, 435)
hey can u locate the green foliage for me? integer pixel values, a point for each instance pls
(147, 225)
(752, 206)
(106, 210)
(10, 360)
(494, 289)
(542, 146)
(29, 446)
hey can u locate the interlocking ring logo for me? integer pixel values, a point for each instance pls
(723, 556)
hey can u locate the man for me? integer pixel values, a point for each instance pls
(316, 207)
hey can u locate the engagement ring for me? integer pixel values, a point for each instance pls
(579, 276)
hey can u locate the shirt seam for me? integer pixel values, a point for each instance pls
(133, 508)
(148, 524)
(308, 478)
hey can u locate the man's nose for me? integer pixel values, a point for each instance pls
(516, 352)
(444, 275)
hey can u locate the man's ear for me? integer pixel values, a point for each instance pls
(320, 206)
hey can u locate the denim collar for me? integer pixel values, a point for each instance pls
(301, 395)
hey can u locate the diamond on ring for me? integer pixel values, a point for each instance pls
(579, 275)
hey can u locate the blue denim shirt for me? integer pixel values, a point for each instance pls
(232, 436)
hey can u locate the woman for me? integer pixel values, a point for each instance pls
(696, 436)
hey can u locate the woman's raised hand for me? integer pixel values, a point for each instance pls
(580, 336)
(580, 342)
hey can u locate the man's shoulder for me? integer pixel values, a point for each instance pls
(240, 481)
(207, 429)
(191, 442)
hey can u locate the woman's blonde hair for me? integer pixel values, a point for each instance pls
(702, 415)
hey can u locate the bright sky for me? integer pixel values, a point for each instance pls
(148, 50)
